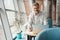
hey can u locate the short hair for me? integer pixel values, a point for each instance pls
(36, 4)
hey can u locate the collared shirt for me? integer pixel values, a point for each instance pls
(37, 19)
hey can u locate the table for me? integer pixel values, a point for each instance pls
(31, 35)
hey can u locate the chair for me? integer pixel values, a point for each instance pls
(49, 34)
(50, 22)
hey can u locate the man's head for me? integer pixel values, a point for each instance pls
(36, 7)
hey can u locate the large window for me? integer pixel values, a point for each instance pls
(11, 12)
(11, 15)
(9, 4)
(2, 35)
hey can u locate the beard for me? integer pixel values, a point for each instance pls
(37, 11)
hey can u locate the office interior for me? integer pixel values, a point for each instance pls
(14, 15)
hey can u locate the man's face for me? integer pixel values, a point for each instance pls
(36, 9)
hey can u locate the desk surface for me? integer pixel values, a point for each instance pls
(33, 33)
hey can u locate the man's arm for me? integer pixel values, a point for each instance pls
(29, 27)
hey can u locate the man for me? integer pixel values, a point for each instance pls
(36, 17)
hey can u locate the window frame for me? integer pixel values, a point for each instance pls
(5, 19)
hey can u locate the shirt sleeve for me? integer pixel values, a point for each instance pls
(45, 20)
(30, 20)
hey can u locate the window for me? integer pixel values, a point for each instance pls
(12, 16)
(13, 23)
(9, 4)
(2, 35)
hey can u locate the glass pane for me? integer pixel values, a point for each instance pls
(11, 17)
(13, 23)
(2, 36)
(9, 4)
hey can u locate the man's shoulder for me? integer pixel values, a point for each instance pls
(31, 15)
